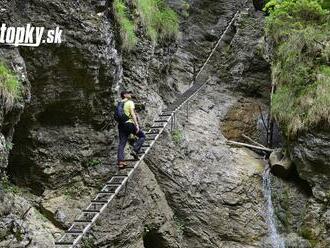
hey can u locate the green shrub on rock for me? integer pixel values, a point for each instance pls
(160, 21)
(300, 32)
(10, 87)
(127, 26)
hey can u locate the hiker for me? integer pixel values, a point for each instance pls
(128, 123)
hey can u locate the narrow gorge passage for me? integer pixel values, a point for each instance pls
(194, 189)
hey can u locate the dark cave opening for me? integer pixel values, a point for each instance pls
(153, 239)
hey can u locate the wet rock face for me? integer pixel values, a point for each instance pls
(246, 69)
(301, 219)
(311, 153)
(72, 93)
(243, 119)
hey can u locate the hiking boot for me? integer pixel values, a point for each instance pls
(121, 164)
(135, 155)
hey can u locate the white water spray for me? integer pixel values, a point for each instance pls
(276, 240)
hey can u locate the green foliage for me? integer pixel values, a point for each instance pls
(88, 242)
(177, 136)
(9, 146)
(286, 16)
(300, 31)
(10, 86)
(94, 162)
(325, 4)
(160, 21)
(309, 234)
(127, 26)
(7, 186)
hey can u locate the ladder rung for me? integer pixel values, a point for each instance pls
(145, 146)
(127, 167)
(160, 121)
(117, 177)
(151, 133)
(149, 139)
(73, 232)
(90, 211)
(107, 192)
(82, 221)
(98, 201)
(165, 115)
(131, 160)
(113, 184)
(63, 243)
(104, 193)
(157, 127)
(121, 175)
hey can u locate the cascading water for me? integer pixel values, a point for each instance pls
(275, 239)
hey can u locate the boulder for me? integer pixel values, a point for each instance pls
(280, 164)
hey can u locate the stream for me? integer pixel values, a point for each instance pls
(275, 240)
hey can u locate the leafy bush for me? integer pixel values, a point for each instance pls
(127, 27)
(10, 87)
(300, 31)
(289, 15)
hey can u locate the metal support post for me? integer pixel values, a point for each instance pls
(187, 111)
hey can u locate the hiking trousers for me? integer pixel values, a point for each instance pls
(125, 129)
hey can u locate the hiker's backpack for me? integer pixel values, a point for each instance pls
(120, 115)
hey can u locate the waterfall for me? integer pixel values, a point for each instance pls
(275, 239)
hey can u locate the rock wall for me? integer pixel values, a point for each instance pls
(61, 130)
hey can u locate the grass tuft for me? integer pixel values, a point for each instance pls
(160, 21)
(10, 87)
(300, 31)
(127, 26)
(177, 136)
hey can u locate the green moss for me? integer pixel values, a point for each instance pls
(8, 187)
(10, 86)
(309, 234)
(300, 71)
(127, 26)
